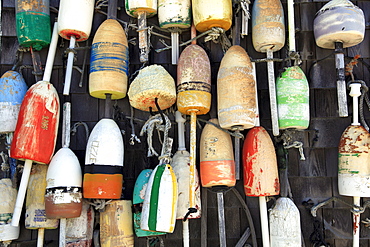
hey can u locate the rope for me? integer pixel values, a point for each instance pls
(354, 208)
(289, 143)
(151, 241)
(76, 125)
(364, 96)
(218, 36)
(99, 204)
(133, 135)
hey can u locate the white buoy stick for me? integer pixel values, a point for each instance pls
(355, 93)
(62, 232)
(221, 218)
(67, 81)
(185, 233)
(264, 222)
(272, 93)
(356, 222)
(180, 127)
(51, 54)
(175, 47)
(143, 37)
(291, 27)
(40, 237)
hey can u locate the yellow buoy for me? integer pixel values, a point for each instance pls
(208, 14)
(152, 82)
(109, 61)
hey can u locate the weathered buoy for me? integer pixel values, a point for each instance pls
(152, 82)
(74, 24)
(8, 194)
(207, 14)
(236, 90)
(116, 227)
(79, 230)
(217, 166)
(285, 224)
(337, 25)
(109, 61)
(292, 95)
(138, 196)
(35, 203)
(12, 91)
(160, 201)
(103, 176)
(63, 198)
(268, 36)
(33, 23)
(142, 9)
(174, 15)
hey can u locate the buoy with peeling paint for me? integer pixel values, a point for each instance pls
(12, 91)
(8, 194)
(116, 228)
(142, 9)
(339, 24)
(79, 230)
(174, 15)
(152, 82)
(138, 196)
(33, 23)
(103, 176)
(74, 24)
(292, 95)
(268, 36)
(109, 61)
(160, 201)
(207, 14)
(217, 166)
(35, 203)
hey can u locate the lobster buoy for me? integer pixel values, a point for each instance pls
(292, 95)
(35, 201)
(109, 61)
(33, 23)
(8, 194)
(207, 14)
(236, 90)
(152, 82)
(339, 21)
(138, 196)
(63, 197)
(217, 166)
(285, 224)
(160, 201)
(194, 81)
(103, 176)
(13, 88)
(116, 227)
(79, 230)
(268, 29)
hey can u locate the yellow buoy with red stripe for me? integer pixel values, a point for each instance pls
(152, 82)
(109, 61)
(217, 166)
(116, 224)
(207, 14)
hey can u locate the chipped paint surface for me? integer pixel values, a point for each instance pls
(174, 13)
(259, 164)
(152, 82)
(36, 131)
(236, 90)
(207, 14)
(7, 202)
(116, 227)
(268, 29)
(133, 7)
(353, 173)
(217, 166)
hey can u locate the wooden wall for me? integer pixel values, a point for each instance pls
(312, 180)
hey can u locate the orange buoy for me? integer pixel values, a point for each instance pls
(152, 82)
(207, 14)
(217, 167)
(109, 61)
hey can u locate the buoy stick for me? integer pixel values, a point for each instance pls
(291, 27)
(175, 47)
(21, 192)
(180, 127)
(193, 141)
(51, 54)
(264, 221)
(185, 233)
(62, 231)
(40, 237)
(355, 93)
(221, 218)
(356, 222)
(143, 37)
(341, 83)
(66, 128)
(272, 93)
(67, 81)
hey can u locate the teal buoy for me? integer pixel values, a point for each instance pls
(292, 92)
